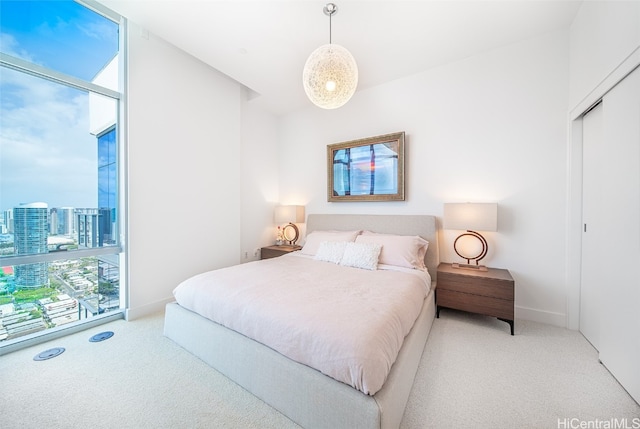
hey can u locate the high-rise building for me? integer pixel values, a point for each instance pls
(8, 220)
(94, 227)
(66, 221)
(62, 221)
(107, 185)
(88, 221)
(53, 221)
(31, 230)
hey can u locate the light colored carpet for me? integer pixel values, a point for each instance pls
(473, 374)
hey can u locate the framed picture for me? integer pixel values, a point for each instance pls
(370, 169)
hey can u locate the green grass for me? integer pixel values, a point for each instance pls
(24, 296)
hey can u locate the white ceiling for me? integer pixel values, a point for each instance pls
(264, 44)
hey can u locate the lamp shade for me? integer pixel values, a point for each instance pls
(330, 76)
(471, 216)
(289, 214)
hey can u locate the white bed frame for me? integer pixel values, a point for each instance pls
(305, 395)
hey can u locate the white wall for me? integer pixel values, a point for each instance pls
(260, 162)
(603, 35)
(491, 128)
(184, 170)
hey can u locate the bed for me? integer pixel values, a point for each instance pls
(304, 394)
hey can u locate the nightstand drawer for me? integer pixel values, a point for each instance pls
(475, 303)
(501, 289)
(267, 253)
(275, 251)
(490, 292)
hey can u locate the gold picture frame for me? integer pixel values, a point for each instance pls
(369, 169)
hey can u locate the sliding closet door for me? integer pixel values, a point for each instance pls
(620, 320)
(595, 217)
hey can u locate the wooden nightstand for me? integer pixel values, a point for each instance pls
(491, 292)
(275, 251)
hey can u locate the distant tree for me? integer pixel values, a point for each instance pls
(107, 288)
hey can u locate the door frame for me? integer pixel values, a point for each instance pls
(573, 257)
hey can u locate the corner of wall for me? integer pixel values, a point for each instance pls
(541, 316)
(147, 309)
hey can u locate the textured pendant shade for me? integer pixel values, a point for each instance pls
(330, 75)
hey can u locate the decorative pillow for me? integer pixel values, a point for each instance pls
(361, 255)
(330, 251)
(313, 240)
(400, 250)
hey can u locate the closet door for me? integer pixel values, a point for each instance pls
(595, 218)
(620, 318)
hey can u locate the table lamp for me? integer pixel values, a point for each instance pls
(471, 217)
(289, 215)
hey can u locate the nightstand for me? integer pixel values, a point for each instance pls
(275, 251)
(490, 292)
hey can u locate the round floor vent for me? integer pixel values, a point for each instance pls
(48, 354)
(101, 336)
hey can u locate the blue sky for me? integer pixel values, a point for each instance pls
(61, 35)
(46, 151)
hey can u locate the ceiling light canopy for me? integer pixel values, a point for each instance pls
(330, 75)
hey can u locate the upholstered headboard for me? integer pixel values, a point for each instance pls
(423, 225)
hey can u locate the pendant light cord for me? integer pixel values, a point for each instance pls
(329, 10)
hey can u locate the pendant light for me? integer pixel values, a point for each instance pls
(330, 75)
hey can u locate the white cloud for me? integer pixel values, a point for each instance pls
(11, 47)
(101, 30)
(46, 151)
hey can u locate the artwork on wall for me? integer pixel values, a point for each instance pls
(369, 169)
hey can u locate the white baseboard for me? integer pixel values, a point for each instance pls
(145, 310)
(541, 316)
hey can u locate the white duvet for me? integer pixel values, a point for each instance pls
(346, 322)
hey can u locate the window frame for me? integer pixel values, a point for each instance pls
(119, 249)
(73, 82)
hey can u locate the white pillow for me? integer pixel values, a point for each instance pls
(400, 250)
(313, 240)
(361, 255)
(330, 251)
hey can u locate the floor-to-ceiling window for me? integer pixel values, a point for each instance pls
(60, 166)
